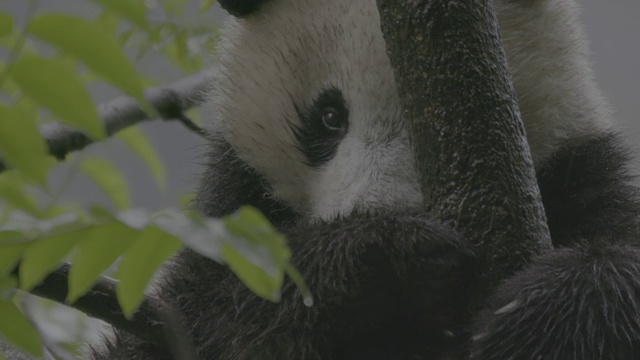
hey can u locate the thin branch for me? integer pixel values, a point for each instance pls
(189, 124)
(169, 101)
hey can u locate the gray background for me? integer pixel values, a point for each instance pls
(612, 25)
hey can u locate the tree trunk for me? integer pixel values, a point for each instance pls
(475, 167)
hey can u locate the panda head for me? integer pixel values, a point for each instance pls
(306, 96)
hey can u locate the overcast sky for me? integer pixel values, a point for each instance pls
(612, 25)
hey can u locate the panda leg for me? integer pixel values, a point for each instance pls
(581, 304)
(582, 300)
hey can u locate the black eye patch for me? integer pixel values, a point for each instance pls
(322, 127)
(242, 8)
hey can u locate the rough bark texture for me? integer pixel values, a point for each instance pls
(471, 150)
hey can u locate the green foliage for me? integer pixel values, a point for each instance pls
(252, 235)
(51, 83)
(246, 241)
(21, 144)
(6, 24)
(17, 329)
(42, 257)
(133, 10)
(139, 144)
(88, 42)
(13, 192)
(10, 254)
(38, 233)
(103, 245)
(110, 180)
(154, 246)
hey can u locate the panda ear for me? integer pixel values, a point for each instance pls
(241, 8)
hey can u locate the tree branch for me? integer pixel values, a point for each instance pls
(170, 102)
(476, 171)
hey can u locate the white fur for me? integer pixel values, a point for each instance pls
(285, 55)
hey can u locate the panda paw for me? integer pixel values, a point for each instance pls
(581, 304)
(433, 265)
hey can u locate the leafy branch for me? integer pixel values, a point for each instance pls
(37, 231)
(101, 302)
(170, 102)
(32, 250)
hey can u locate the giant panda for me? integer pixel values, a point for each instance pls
(307, 128)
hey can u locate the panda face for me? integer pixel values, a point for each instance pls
(306, 96)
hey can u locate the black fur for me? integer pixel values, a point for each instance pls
(229, 183)
(374, 277)
(588, 193)
(241, 7)
(392, 285)
(582, 301)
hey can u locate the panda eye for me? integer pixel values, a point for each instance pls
(332, 119)
(322, 127)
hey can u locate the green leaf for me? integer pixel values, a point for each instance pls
(138, 219)
(139, 263)
(187, 200)
(125, 36)
(110, 180)
(22, 145)
(140, 144)
(32, 228)
(8, 285)
(89, 43)
(201, 235)
(12, 190)
(297, 279)
(263, 244)
(205, 5)
(109, 22)
(174, 7)
(255, 277)
(11, 254)
(257, 253)
(181, 48)
(177, 49)
(40, 258)
(103, 245)
(17, 329)
(9, 237)
(30, 109)
(54, 85)
(6, 24)
(132, 10)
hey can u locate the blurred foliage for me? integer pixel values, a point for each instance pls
(50, 61)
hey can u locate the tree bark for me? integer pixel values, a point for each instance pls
(476, 171)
